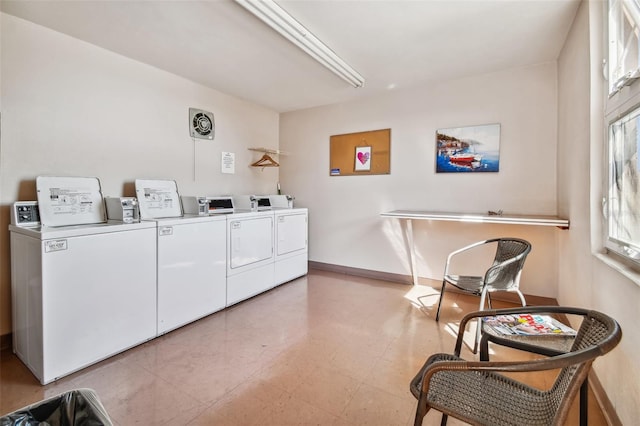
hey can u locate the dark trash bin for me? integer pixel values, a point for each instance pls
(80, 407)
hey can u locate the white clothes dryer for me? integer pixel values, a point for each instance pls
(291, 244)
(250, 254)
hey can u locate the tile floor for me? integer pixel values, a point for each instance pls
(326, 349)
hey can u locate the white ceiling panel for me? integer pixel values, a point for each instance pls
(393, 44)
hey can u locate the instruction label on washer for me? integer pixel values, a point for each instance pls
(159, 199)
(55, 245)
(71, 201)
(66, 201)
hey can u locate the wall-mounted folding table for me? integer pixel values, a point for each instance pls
(505, 219)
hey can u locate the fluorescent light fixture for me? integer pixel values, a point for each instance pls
(278, 19)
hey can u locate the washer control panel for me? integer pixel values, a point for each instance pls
(124, 209)
(25, 213)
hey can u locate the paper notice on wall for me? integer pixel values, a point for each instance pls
(228, 162)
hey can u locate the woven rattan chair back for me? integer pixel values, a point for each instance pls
(503, 275)
(476, 392)
(597, 332)
(508, 277)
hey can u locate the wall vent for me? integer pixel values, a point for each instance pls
(201, 124)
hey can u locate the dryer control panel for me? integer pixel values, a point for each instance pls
(25, 213)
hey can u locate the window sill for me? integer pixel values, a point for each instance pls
(619, 267)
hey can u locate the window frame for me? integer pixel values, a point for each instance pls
(617, 49)
(623, 100)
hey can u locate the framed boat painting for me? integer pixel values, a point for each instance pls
(468, 149)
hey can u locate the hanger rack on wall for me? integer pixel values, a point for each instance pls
(266, 160)
(268, 151)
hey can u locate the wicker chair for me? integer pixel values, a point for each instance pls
(474, 391)
(503, 275)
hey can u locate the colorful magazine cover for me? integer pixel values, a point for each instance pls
(528, 325)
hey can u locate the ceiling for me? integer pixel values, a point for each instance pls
(394, 44)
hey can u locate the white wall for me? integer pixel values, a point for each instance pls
(344, 224)
(70, 108)
(584, 280)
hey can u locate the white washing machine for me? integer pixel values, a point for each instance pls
(250, 254)
(82, 289)
(191, 256)
(291, 244)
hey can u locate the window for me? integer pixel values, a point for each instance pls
(623, 206)
(622, 199)
(624, 18)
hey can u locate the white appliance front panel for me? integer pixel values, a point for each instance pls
(290, 268)
(291, 233)
(191, 271)
(98, 297)
(249, 283)
(26, 299)
(250, 241)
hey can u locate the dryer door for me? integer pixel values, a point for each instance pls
(250, 242)
(291, 233)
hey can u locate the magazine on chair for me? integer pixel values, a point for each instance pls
(528, 325)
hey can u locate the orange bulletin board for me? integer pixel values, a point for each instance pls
(363, 153)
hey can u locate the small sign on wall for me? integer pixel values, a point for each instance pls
(363, 158)
(228, 162)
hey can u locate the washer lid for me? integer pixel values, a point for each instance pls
(158, 198)
(64, 201)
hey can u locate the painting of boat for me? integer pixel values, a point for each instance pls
(468, 149)
(465, 158)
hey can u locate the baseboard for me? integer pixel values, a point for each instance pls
(408, 279)
(532, 300)
(6, 341)
(365, 273)
(608, 410)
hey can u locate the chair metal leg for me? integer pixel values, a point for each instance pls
(443, 422)
(584, 403)
(421, 410)
(476, 342)
(484, 347)
(524, 302)
(440, 300)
